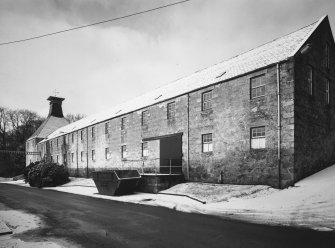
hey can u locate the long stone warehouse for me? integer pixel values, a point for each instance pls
(263, 117)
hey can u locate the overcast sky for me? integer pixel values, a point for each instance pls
(101, 66)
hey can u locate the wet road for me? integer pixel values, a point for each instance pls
(92, 222)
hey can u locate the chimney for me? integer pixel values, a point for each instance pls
(55, 106)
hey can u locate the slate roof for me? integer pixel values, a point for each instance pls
(50, 124)
(265, 55)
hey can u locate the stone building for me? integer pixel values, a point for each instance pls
(266, 116)
(54, 120)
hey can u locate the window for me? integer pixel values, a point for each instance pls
(106, 127)
(106, 153)
(64, 157)
(123, 123)
(207, 143)
(171, 110)
(72, 137)
(51, 145)
(123, 151)
(207, 100)
(72, 157)
(93, 132)
(145, 118)
(326, 56)
(258, 137)
(145, 150)
(327, 92)
(93, 155)
(57, 159)
(57, 145)
(81, 134)
(310, 79)
(81, 156)
(257, 85)
(51, 159)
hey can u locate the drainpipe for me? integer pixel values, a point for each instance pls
(188, 137)
(87, 152)
(77, 157)
(279, 126)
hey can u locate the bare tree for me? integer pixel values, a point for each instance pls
(74, 117)
(14, 118)
(4, 118)
(16, 126)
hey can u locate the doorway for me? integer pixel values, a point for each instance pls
(171, 154)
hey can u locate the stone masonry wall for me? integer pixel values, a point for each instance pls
(232, 116)
(314, 118)
(131, 136)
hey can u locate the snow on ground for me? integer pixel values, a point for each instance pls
(219, 192)
(310, 203)
(19, 222)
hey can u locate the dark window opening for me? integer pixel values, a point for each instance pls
(145, 118)
(145, 150)
(207, 100)
(171, 110)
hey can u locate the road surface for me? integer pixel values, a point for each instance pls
(92, 222)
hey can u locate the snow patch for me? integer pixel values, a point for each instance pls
(310, 203)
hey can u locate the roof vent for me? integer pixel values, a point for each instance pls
(221, 74)
(306, 48)
(158, 97)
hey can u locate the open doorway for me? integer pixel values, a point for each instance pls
(171, 154)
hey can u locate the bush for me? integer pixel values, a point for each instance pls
(47, 174)
(28, 168)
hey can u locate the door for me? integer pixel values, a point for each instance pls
(171, 155)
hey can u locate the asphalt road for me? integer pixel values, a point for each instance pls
(92, 222)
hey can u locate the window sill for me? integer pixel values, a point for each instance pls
(206, 112)
(258, 99)
(171, 121)
(207, 153)
(145, 128)
(258, 149)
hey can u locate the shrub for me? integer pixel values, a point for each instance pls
(28, 168)
(47, 174)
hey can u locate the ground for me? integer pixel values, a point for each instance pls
(20, 222)
(310, 203)
(71, 220)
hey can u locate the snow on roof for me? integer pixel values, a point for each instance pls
(50, 124)
(270, 53)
